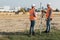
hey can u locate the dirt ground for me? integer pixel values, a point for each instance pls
(9, 22)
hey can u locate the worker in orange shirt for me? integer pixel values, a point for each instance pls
(48, 18)
(32, 19)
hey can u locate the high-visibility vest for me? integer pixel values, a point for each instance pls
(48, 13)
(32, 14)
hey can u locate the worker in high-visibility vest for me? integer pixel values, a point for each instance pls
(32, 19)
(48, 17)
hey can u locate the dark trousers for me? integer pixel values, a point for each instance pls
(48, 25)
(32, 26)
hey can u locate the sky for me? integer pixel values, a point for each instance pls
(28, 3)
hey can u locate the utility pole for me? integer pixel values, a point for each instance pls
(40, 6)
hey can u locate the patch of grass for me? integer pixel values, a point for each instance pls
(53, 35)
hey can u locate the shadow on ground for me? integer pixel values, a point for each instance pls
(14, 33)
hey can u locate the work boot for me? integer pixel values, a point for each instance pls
(44, 31)
(33, 33)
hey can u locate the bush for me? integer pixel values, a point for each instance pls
(22, 10)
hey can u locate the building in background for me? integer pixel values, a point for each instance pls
(17, 8)
(5, 8)
(9, 9)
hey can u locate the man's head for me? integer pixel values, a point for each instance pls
(48, 5)
(33, 5)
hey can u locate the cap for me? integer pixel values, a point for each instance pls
(49, 4)
(33, 5)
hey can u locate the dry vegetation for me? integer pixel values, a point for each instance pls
(9, 22)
